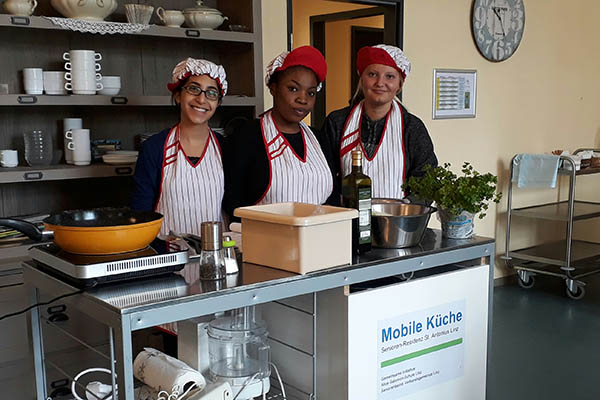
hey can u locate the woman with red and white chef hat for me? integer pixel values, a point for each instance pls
(394, 142)
(179, 172)
(278, 158)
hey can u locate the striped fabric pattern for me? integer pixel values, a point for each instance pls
(190, 194)
(386, 168)
(305, 180)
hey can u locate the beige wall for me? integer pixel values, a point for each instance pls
(545, 97)
(274, 33)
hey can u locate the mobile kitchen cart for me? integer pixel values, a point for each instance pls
(568, 259)
(461, 271)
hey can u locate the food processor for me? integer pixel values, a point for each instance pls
(239, 353)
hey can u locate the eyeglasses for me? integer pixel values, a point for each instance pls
(210, 93)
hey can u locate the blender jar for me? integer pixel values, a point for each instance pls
(238, 348)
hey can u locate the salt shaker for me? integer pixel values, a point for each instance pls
(231, 265)
(212, 258)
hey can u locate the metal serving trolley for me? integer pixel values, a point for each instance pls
(568, 259)
(126, 307)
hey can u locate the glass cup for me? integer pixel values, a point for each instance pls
(38, 148)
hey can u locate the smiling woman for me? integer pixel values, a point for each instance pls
(278, 158)
(395, 143)
(179, 172)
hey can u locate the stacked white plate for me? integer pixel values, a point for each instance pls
(120, 157)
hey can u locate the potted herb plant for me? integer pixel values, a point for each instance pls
(458, 198)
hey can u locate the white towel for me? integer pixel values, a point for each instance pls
(535, 170)
(162, 372)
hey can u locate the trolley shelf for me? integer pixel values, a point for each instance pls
(553, 253)
(585, 171)
(559, 211)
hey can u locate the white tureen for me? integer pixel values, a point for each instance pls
(202, 17)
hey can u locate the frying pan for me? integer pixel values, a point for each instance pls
(94, 231)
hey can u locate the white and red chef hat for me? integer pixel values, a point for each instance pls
(192, 66)
(385, 55)
(306, 56)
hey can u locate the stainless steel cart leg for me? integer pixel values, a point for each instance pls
(124, 352)
(37, 338)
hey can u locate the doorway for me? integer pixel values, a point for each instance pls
(338, 29)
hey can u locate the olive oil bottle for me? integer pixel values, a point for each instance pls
(356, 193)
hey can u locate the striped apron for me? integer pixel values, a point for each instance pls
(387, 166)
(291, 178)
(190, 194)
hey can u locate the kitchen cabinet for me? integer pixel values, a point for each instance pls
(569, 259)
(144, 61)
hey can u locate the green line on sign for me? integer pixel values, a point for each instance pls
(421, 352)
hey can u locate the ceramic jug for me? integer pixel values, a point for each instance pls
(20, 7)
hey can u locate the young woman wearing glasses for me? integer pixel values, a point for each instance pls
(179, 171)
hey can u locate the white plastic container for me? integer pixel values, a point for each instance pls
(296, 237)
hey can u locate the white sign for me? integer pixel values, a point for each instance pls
(422, 339)
(421, 349)
(454, 93)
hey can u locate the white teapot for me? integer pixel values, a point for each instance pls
(20, 7)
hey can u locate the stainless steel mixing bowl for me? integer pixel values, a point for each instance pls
(396, 224)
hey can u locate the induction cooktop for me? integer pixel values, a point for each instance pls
(89, 270)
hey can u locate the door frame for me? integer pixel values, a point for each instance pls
(393, 15)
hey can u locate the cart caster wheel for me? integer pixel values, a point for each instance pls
(578, 295)
(527, 284)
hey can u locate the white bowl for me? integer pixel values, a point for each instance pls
(109, 91)
(94, 10)
(138, 13)
(111, 81)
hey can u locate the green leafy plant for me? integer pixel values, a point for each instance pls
(470, 192)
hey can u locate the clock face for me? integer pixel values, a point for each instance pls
(498, 27)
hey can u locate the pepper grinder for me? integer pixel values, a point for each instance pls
(212, 258)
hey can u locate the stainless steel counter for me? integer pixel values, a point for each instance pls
(126, 307)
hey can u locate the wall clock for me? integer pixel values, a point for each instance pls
(498, 27)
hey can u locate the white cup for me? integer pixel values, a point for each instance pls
(68, 125)
(33, 80)
(54, 82)
(80, 145)
(80, 55)
(84, 82)
(9, 158)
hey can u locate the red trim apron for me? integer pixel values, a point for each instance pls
(190, 194)
(291, 178)
(387, 166)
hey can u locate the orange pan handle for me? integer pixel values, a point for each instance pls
(27, 228)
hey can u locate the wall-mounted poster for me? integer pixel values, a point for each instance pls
(454, 93)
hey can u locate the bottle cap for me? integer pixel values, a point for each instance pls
(212, 236)
(357, 157)
(228, 241)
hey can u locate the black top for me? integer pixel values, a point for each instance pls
(247, 167)
(418, 146)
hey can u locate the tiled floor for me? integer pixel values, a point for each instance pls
(545, 345)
